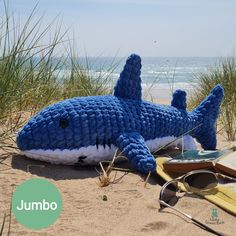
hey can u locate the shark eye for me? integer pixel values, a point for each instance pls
(63, 123)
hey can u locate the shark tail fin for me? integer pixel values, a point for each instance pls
(208, 112)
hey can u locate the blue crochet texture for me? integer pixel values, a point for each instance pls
(179, 99)
(123, 120)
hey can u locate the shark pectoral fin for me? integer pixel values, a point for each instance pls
(135, 149)
(128, 85)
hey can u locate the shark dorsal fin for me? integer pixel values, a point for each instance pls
(179, 99)
(128, 85)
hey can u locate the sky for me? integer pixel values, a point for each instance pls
(155, 28)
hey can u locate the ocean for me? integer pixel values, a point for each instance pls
(163, 74)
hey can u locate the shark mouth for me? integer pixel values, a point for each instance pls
(94, 154)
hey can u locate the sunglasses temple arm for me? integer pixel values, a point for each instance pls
(207, 228)
(176, 209)
(225, 176)
(191, 218)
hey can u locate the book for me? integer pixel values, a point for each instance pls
(227, 164)
(223, 161)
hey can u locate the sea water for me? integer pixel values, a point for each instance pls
(162, 74)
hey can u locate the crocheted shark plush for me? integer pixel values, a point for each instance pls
(86, 130)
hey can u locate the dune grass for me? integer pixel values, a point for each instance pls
(223, 73)
(30, 70)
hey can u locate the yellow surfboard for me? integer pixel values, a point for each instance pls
(224, 195)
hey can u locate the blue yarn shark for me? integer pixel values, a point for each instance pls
(86, 130)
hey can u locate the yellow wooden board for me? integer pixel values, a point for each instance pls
(224, 195)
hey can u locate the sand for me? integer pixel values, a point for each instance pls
(130, 209)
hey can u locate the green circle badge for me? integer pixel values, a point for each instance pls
(36, 203)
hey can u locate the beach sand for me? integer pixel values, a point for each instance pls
(130, 209)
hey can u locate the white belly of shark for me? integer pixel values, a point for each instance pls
(94, 154)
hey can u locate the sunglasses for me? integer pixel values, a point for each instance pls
(195, 180)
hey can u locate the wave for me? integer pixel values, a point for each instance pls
(158, 71)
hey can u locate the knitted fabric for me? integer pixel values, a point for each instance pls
(207, 110)
(179, 99)
(129, 84)
(134, 147)
(123, 121)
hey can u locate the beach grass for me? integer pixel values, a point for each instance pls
(223, 73)
(30, 76)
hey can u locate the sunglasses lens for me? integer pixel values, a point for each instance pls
(168, 194)
(201, 180)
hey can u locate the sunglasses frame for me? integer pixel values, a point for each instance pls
(164, 204)
(182, 179)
